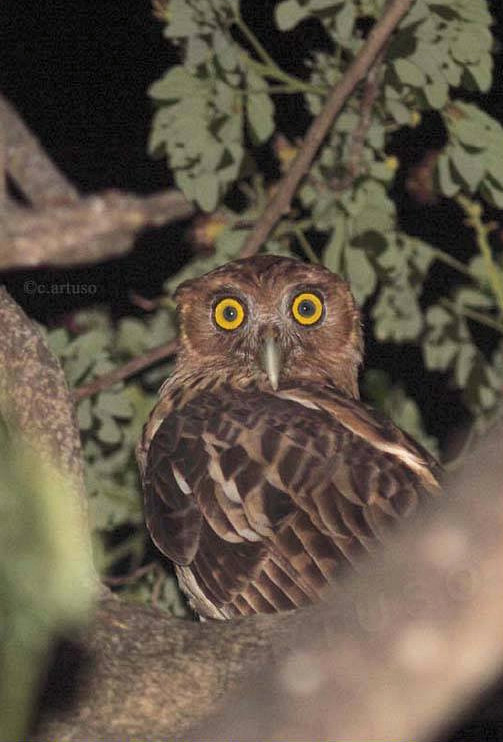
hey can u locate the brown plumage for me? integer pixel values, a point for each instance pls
(264, 476)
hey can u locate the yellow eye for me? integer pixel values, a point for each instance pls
(229, 313)
(307, 308)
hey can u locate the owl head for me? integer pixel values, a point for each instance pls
(272, 320)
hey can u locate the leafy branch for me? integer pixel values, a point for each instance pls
(281, 201)
(268, 67)
(473, 212)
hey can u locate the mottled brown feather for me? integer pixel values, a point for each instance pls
(263, 497)
(283, 503)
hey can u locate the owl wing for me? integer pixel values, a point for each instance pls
(262, 498)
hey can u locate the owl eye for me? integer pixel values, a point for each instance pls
(229, 313)
(307, 308)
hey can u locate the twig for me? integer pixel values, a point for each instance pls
(267, 66)
(370, 92)
(473, 314)
(473, 211)
(306, 247)
(132, 367)
(280, 203)
(157, 588)
(454, 263)
(133, 576)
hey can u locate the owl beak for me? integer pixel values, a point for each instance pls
(271, 360)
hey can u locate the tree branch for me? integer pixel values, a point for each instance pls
(280, 203)
(64, 229)
(399, 653)
(84, 231)
(28, 165)
(132, 367)
(370, 93)
(35, 402)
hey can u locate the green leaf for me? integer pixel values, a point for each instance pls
(409, 73)
(347, 122)
(113, 505)
(468, 46)
(229, 242)
(447, 184)
(177, 83)
(345, 20)
(470, 132)
(206, 191)
(260, 112)
(464, 363)
(226, 51)
(289, 13)
(373, 210)
(479, 76)
(113, 403)
(492, 194)
(334, 249)
(84, 416)
(399, 111)
(470, 168)
(161, 327)
(418, 12)
(131, 336)
(469, 296)
(182, 21)
(438, 357)
(381, 171)
(494, 166)
(437, 93)
(360, 273)
(396, 314)
(58, 340)
(109, 432)
(440, 343)
(325, 210)
(476, 12)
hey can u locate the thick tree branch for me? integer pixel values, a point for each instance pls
(84, 231)
(280, 203)
(35, 402)
(28, 165)
(62, 228)
(399, 653)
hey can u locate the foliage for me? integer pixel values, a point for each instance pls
(441, 50)
(111, 423)
(215, 122)
(43, 558)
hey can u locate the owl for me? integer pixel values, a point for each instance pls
(264, 476)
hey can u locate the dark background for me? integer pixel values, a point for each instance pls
(78, 74)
